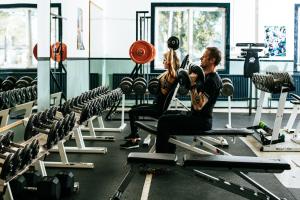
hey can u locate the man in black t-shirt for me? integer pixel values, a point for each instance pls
(202, 103)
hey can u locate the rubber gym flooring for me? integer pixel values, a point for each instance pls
(101, 182)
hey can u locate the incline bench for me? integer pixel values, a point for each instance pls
(236, 164)
(233, 132)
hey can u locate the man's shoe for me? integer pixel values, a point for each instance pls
(130, 145)
(133, 137)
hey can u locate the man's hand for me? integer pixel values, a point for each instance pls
(193, 77)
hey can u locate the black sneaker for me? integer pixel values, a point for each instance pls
(133, 137)
(130, 145)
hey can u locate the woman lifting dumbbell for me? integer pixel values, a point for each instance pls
(167, 84)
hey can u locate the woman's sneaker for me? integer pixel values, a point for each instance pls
(133, 137)
(130, 144)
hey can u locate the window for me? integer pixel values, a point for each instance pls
(18, 34)
(196, 25)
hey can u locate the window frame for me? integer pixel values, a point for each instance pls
(226, 6)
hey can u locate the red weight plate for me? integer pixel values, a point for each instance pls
(141, 52)
(59, 52)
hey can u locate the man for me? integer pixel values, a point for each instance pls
(203, 99)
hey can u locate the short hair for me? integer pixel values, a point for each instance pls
(215, 53)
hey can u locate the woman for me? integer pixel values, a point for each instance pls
(167, 82)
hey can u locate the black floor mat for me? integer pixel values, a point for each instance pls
(101, 182)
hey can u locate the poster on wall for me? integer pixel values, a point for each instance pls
(275, 40)
(80, 45)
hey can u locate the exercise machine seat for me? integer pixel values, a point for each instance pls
(241, 132)
(241, 163)
(152, 158)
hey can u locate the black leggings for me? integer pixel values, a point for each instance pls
(181, 123)
(151, 110)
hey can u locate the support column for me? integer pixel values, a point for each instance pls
(43, 66)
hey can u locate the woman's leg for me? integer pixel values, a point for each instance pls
(177, 123)
(148, 110)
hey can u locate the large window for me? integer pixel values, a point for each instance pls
(18, 34)
(196, 25)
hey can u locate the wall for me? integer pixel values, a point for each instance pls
(77, 64)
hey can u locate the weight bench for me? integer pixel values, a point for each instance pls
(236, 164)
(232, 132)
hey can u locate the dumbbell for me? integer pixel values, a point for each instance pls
(228, 88)
(153, 86)
(6, 161)
(31, 130)
(18, 155)
(139, 85)
(61, 128)
(173, 43)
(126, 85)
(33, 181)
(33, 90)
(28, 93)
(46, 188)
(26, 152)
(8, 99)
(45, 122)
(34, 145)
(34, 82)
(26, 78)
(21, 83)
(8, 83)
(21, 95)
(183, 77)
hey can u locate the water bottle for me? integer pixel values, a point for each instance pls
(265, 127)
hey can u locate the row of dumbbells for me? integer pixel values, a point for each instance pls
(77, 102)
(15, 157)
(100, 104)
(273, 82)
(46, 122)
(33, 184)
(139, 85)
(11, 98)
(12, 82)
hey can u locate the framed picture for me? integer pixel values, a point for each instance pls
(275, 40)
(80, 45)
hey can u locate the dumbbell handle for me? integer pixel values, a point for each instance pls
(41, 130)
(2, 156)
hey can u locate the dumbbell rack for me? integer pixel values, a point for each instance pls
(64, 163)
(275, 145)
(38, 164)
(4, 114)
(80, 145)
(90, 126)
(289, 126)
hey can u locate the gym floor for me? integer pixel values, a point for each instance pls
(102, 181)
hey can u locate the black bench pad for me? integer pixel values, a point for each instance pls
(152, 158)
(236, 162)
(214, 132)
